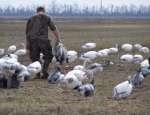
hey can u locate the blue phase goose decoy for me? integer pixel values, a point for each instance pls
(54, 76)
(87, 89)
(89, 46)
(138, 78)
(60, 52)
(24, 76)
(97, 68)
(123, 89)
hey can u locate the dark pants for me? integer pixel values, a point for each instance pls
(41, 45)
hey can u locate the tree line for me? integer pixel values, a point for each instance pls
(76, 10)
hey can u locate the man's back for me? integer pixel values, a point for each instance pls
(37, 26)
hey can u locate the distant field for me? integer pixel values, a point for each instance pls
(41, 98)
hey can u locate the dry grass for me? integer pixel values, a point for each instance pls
(40, 97)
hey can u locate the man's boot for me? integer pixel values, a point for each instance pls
(38, 75)
(45, 68)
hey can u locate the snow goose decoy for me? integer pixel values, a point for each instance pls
(2, 51)
(9, 62)
(82, 67)
(87, 89)
(21, 52)
(144, 50)
(72, 56)
(137, 57)
(90, 54)
(10, 56)
(113, 50)
(138, 78)
(137, 47)
(102, 53)
(126, 47)
(146, 70)
(60, 52)
(11, 49)
(68, 82)
(34, 68)
(89, 46)
(123, 89)
(126, 58)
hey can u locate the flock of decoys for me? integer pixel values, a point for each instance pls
(73, 80)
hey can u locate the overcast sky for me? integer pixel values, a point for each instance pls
(80, 2)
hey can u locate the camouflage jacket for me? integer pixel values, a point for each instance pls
(37, 26)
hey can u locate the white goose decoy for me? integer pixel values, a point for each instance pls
(24, 68)
(24, 76)
(144, 64)
(138, 78)
(87, 89)
(90, 54)
(82, 67)
(2, 51)
(11, 49)
(137, 57)
(21, 51)
(113, 50)
(137, 47)
(72, 56)
(144, 50)
(123, 89)
(126, 58)
(54, 76)
(89, 46)
(10, 56)
(80, 74)
(126, 47)
(34, 68)
(103, 53)
(9, 62)
(68, 82)
(146, 70)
